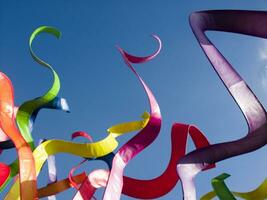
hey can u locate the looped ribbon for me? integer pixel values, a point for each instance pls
(87, 150)
(141, 189)
(27, 112)
(142, 139)
(100, 148)
(144, 189)
(29, 107)
(115, 182)
(253, 111)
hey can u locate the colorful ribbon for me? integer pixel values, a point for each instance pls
(27, 176)
(222, 191)
(57, 103)
(52, 170)
(27, 112)
(139, 142)
(254, 113)
(142, 189)
(88, 150)
(181, 165)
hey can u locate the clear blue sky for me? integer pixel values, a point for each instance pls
(101, 90)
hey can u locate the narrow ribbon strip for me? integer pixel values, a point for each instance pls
(29, 107)
(140, 141)
(70, 176)
(52, 170)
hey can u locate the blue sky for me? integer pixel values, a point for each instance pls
(101, 90)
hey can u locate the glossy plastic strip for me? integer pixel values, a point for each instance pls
(259, 193)
(27, 174)
(87, 150)
(140, 141)
(253, 111)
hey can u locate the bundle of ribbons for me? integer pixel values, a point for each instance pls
(17, 122)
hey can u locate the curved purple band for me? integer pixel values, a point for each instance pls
(236, 21)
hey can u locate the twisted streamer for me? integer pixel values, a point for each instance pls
(140, 141)
(70, 176)
(27, 176)
(181, 165)
(88, 150)
(151, 129)
(143, 189)
(57, 103)
(254, 113)
(28, 111)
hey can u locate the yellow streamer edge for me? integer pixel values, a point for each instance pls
(259, 193)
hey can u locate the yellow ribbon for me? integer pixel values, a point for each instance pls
(259, 193)
(88, 150)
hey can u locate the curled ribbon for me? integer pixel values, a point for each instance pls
(254, 113)
(141, 189)
(140, 141)
(88, 150)
(27, 112)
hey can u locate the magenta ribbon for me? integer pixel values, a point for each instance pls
(140, 141)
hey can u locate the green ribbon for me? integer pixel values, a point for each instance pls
(29, 108)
